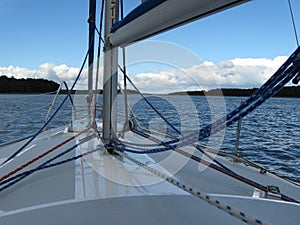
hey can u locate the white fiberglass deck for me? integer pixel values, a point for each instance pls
(108, 189)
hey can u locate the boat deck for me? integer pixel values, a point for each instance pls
(104, 188)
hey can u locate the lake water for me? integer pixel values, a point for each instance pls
(270, 135)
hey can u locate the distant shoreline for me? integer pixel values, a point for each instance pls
(286, 92)
(42, 86)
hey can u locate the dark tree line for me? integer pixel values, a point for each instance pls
(29, 85)
(291, 92)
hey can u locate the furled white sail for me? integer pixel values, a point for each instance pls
(155, 16)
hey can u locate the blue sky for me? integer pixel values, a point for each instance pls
(55, 31)
(261, 28)
(34, 32)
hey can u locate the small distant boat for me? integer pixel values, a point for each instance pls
(100, 171)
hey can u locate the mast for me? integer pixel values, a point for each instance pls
(110, 77)
(91, 21)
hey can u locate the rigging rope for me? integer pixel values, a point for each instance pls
(222, 168)
(149, 103)
(55, 97)
(17, 178)
(41, 156)
(126, 124)
(98, 62)
(286, 73)
(53, 115)
(282, 76)
(293, 21)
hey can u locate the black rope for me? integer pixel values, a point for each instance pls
(293, 21)
(98, 60)
(126, 124)
(147, 101)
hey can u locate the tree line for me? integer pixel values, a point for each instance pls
(26, 86)
(287, 92)
(30, 85)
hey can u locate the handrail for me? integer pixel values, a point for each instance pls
(55, 97)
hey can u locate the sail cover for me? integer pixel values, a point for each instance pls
(155, 16)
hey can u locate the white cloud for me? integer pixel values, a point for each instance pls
(247, 72)
(57, 73)
(17, 72)
(61, 73)
(239, 72)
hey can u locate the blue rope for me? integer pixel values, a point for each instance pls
(257, 99)
(53, 115)
(124, 148)
(150, 145)
(278, 75)
(17, 178)
(281, 77)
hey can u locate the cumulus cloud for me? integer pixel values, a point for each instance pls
(62, 73)
(235, 73)
(57, 73)
(226, 64)
(17, 72)
(247, 72)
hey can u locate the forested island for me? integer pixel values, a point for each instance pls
(36, 86)
(26, 86)
(286, 92)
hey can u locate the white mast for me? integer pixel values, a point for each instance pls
(110, 78)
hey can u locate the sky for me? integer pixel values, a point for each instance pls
(240, 47)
